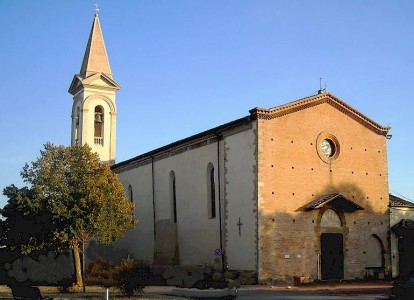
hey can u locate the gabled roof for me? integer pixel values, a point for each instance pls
(95, 58)
(79, 82)
(278, 111)
(403, 226)
(399, 202)
(336, 200)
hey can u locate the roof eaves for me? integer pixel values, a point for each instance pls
(396, 201)
(216, 131)
(314, 100)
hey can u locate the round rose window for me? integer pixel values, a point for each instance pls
(328, 148)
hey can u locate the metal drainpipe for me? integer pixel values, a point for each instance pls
(223, 256)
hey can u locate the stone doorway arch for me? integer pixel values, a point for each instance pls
(331, 245)
(331, 233)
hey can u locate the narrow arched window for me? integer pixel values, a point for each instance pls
(211, 192)
(99, 125)
(173, 195)
(77, 121)
(130, 194)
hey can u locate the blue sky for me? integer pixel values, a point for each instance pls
(186, 66)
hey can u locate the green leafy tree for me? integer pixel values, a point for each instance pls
(26, 227)
(72, 198)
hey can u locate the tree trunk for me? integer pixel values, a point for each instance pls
(78, 268)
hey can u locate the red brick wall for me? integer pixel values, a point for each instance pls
(292, 174)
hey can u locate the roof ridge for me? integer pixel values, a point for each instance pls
(397, 201)
(303, 103)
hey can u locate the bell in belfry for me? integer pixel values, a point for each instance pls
(98, 117)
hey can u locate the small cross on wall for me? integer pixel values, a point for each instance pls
(240, 225)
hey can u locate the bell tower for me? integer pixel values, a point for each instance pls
(94, 92)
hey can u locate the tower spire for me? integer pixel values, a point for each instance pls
(95, 59)
(94, 93)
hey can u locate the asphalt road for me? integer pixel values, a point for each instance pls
(259, 294)
(341, 292)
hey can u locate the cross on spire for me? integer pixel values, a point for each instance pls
(96, 8)
(321, 91)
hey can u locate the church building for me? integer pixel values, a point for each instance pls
(300, 189)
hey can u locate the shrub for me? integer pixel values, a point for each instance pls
(64, 284)
(130, 276)
(230, 275)
(216, 276)
(101, 272)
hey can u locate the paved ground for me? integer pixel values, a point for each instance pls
(316, 294)
(366, 291)
(343, 291)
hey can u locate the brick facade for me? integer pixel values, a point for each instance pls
(293, 172)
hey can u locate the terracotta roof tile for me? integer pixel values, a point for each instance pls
(336, 200)
(404, 224)
(399, 202)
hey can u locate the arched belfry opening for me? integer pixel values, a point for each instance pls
(77, 124)
(99, 125)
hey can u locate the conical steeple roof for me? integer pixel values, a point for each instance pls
(95, 59)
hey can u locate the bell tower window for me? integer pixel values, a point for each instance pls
(77, 116)
(99, 125)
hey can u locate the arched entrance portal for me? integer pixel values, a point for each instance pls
(332, 256)
(332, 233)
(332, 246)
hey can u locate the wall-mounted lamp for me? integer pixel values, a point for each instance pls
(388, 136)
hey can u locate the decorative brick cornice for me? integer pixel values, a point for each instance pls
(267, 114)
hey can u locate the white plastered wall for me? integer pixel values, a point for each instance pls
(140, 240)
(198, 235)
(241, 200)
